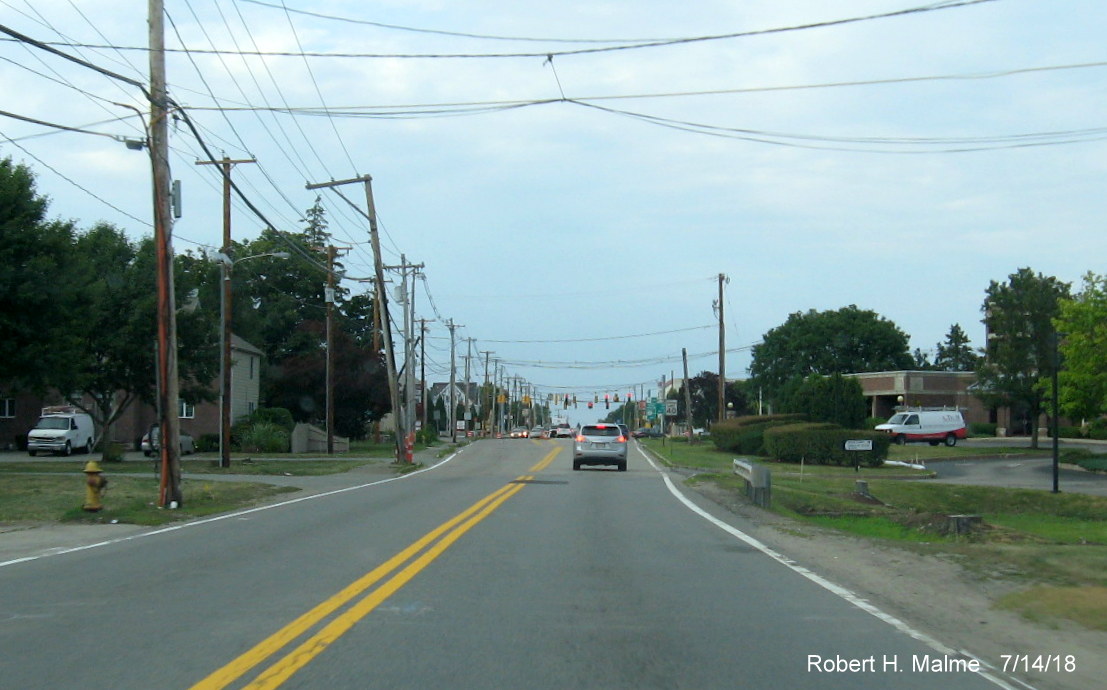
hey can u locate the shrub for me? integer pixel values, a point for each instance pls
(982, 429)
(1070, 432)
(265, 437)
(428, 435)
(745, 435)
(274, 415)
(207, 443)
(824, 444)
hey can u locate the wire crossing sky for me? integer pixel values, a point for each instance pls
(574, 176)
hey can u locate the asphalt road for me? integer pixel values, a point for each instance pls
(1020, 471)
(500, 568)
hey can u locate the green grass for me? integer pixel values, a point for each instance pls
(1049, 605)
(1055, 529)
(1053, 545)
(279, 465)
(46, 498)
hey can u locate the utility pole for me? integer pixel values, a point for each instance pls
(453, 381)
(408, 301)
(169, 494)
(331, 251)
(468, 385)
(386, 328)
(423, 369)
(225, 397)
(487, 401)
(722, 352)
(687, 394)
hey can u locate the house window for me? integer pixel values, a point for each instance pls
(185, 410)
(252, 368)
(251, 408)
(7, 408)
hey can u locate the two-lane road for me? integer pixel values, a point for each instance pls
(501, 568)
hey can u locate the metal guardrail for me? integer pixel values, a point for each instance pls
(759, 481)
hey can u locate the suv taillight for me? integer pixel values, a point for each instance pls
(580, 439)
(621, 439)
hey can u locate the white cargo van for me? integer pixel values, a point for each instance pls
(934, 425)
(61, 433)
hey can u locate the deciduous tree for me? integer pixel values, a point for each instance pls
(1083, 347)
(847, 340)
(1019, 317)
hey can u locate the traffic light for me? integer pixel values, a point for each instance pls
(607, 401)
(574, 401)
(566, 402)
(630, 397)
(590, 405)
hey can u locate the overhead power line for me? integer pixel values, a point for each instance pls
(596, 340)
(950, 4)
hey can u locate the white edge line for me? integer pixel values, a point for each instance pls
(224, 516)
(824, 583)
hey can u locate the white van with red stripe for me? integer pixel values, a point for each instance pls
(933, 425)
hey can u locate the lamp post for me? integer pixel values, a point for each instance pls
(1056, 412)
(226, 263)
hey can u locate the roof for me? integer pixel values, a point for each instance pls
(242, 345)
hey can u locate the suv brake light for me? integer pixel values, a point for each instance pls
(580, 438)
(621, 439)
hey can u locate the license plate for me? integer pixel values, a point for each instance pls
(597, 446)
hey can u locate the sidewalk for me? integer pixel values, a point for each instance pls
(33, 540)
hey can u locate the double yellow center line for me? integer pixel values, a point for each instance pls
(438, 540)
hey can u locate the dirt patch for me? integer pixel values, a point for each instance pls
(932, 593)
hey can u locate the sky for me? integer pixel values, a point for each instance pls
(575, 176)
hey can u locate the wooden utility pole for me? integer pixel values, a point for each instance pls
(722, 353)
(225, 397)
(487, 400)
(453, 382)
(169, 494)
(329, 299)
(386, 328)
(687, 395)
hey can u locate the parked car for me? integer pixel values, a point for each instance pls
(600, 444)
(151, 442)
(62, 433)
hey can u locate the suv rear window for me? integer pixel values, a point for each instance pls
(605, 430)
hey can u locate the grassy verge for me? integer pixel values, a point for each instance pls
(44, 498)
(280, 465)
(1053, 545)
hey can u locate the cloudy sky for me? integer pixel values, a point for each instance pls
(575, 175)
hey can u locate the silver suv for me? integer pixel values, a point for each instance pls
(600, 444)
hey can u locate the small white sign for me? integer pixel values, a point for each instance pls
(866, 444)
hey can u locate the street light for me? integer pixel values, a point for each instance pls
(226, 263)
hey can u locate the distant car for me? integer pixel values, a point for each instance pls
(600, 444)
(641, 432)
(150, 442)
(562, 430)
(519, 432)
(539, 432)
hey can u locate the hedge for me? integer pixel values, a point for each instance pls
(745, 435)
(824, 444)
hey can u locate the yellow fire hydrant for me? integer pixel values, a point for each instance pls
(95, 484)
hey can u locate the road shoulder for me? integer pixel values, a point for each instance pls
(932, 593)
